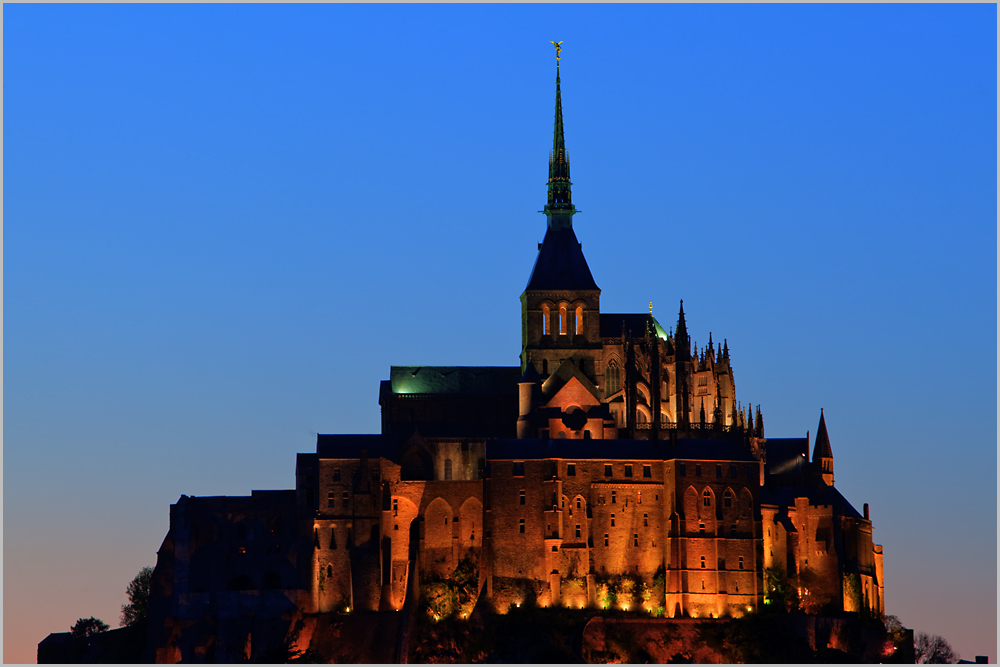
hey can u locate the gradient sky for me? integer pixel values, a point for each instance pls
(224, 223)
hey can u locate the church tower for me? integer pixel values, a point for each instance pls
(560, 307)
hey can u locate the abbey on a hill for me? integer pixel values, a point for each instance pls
(613, 467)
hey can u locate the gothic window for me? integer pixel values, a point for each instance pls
(562, 319)
(571, 470)
(521, 526)
(579, 320)
(628, 469)
(612, 379)
(578, 533)
(521, 496)
(447, 468)
(647, 471)
(727, 499)
(546, 320)
(706, 498)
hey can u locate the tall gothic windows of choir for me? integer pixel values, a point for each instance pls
(546, 320)
(562, 319)
(579, 321)
(612, 378)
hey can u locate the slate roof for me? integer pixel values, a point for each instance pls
(560, 264)
(636, 324)
(492, 380)
(822, 449)
(817, 495)
(686, 448)
(329, 446)
(786, 455)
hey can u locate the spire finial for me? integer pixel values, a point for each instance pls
(558, 49)
(650, 307)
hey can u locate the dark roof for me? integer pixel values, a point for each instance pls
(560, 264)
(635, 324)
(786, 455)
(330, 446)
(695, 449)
(454, 379)
(820, 494)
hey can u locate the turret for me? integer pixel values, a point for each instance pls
(822, 453)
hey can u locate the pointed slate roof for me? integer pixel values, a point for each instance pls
(560, 264)
(822, 449)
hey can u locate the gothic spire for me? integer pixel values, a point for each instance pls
(559, 208)
(683, 343)
(822, 448)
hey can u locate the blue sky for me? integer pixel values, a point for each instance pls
(224, 224)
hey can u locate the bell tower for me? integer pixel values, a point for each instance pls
(560, 307)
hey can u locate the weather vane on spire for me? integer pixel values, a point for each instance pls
(558, 48)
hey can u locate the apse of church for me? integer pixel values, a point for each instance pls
(613, 466)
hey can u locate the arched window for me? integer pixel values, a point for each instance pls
(612, 379)
(728, 498)
(640, 416)
(579, 320)
(546, 320)
(703, 564)
(562, 319)
(447, 468)
(706, 498)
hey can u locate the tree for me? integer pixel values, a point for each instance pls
(138, 598)
(933, 649)
(86, 627)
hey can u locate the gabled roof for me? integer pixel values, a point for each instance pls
(562, 375)
(817, 495)
(636, 324)
(560, 264)
(454, 379)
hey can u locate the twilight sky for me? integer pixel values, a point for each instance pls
(224, 223)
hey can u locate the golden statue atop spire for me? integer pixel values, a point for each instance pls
(558, 48)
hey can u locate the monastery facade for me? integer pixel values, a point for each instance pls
(616, 452)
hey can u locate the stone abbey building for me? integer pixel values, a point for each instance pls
(615, 450)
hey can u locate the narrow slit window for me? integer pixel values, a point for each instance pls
(578, 532)
(546, 321)
(562, 320)
(520, 527)
(612, 520)
(703, 564)
(521, 497)
(645, 519)
(635, 539)
(605, 539)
